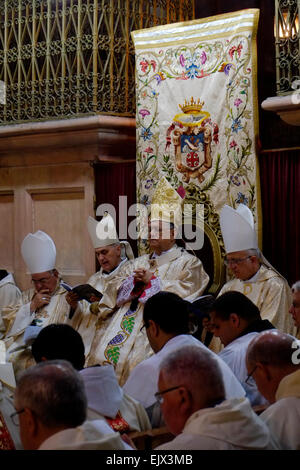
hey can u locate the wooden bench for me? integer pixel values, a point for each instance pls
(148, 440)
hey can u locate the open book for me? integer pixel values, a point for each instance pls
(86, 292)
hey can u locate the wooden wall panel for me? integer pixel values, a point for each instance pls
(56, 199)
(7, 231)
(63, 213)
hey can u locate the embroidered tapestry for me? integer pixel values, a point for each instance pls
(197, 112)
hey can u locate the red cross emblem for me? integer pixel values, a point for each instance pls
(192, 159)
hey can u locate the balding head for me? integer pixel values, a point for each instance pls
(196, 382)
(52, 397)
(272, 355)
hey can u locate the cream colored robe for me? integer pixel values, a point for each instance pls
(85, 321)
(7, 389)
(18, 317)
(271, 294)
(283, 416)
(123, 344)
(91, 435)
(10, 294)
(232, 425)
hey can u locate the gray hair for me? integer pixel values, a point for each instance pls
(54, 392)
(271, 347)
(197, 370)
(254, 252)
(296, 287)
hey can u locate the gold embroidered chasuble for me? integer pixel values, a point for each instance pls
(123, 344)
(271, 294)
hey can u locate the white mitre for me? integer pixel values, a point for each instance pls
(237, 228)
(104, 233)
(39, 252)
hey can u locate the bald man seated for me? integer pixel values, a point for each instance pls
(192, 399)
(273, 359)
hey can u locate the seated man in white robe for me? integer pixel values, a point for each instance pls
(192, 398)
(253, 274)
(106, 400)
(50, 402)
(236, 321)
(9, 430)
(114, 256)
(9, 295)
(167, 322)
(39, 306)
(168, 267)
(273, 359)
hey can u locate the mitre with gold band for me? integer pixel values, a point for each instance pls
(166, 204)
(104, 233)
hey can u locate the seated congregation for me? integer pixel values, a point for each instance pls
(155, 361)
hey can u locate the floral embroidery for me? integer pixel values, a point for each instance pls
(232, 139)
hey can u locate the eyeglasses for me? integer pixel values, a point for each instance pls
(159, 395)
(144, 326)
(228, 262)
(250, 375)
(15, 418)
(44, 280)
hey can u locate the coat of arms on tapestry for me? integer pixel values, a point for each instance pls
(196, 113)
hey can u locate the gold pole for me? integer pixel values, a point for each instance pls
(277, 44)
(33, 57)
(168, 11)
(63, 53)
(95, 55)
(19, 57)
(127, 56)
(285, 149)
(78, 68)
(48, 55)
(141, 14)
(5, 78)
(111, 50)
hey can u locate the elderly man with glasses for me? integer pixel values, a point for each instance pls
(273, 360)
(253, 275)
(39, 306)
(190, 382)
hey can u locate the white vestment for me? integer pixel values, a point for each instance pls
(91, 435)
(10, 294)
(142, 382)
(232, 425)
(123, 344)
(271, 293)
(283, 416)
(86, 322)
(7, 388)
(106, 400)
(19, 318)
(234, 354)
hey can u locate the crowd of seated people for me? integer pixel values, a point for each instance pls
(141, 356)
